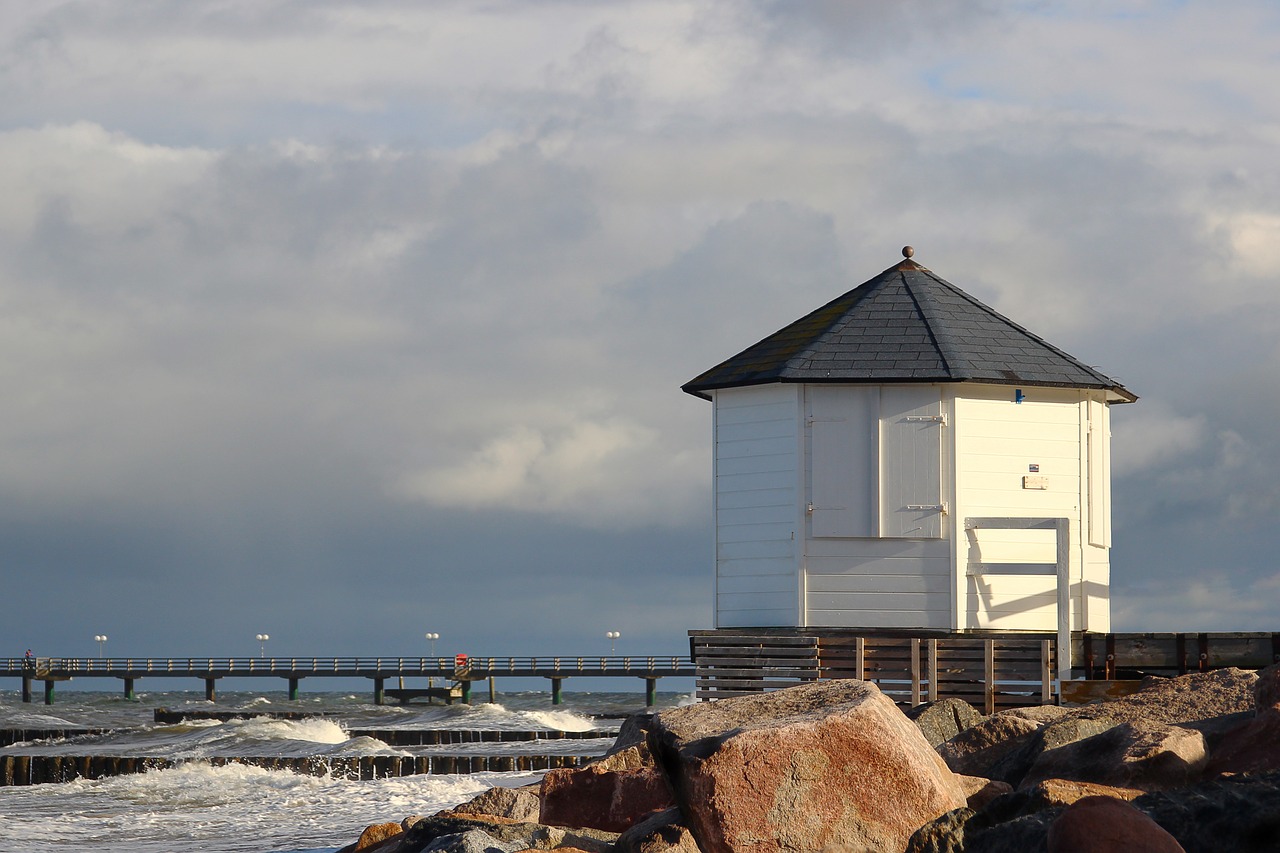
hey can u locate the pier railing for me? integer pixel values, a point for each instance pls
(462, 670)
(469, 667)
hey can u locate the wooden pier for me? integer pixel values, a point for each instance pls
(461, 671)
(988, 669)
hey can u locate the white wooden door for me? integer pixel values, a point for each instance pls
(911, 424)
(842, 459)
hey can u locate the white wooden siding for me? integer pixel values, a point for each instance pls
(756, 506)
(1097, 564)
(878, 583)
(1001, 441)
(859, 559)
(1099, 468)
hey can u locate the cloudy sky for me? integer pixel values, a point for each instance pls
(351, 321)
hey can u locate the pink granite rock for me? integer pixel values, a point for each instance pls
(513, 803)
(1252, 747)
(660, 832)
(979, 791)
(824, 766)
(1108, 825)
(981, 749)
(1266, 691)
(1138, 754)
(1064, 792)
(597, 798)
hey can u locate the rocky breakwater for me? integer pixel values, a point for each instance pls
(1184, 764)
(1187, 764)
(828, 766)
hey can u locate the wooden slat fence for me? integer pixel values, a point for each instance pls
(987, 672)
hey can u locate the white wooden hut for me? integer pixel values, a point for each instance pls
(906, 457)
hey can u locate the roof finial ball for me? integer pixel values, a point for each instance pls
(907, 251)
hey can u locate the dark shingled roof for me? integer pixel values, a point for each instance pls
(905, 325)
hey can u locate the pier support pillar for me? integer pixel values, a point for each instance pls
(128, 689)
(493, 694)
(48, 692)
(466, 693)
(379, 691)
(26, 688)
(293, 689)
(650, 692)
(210, 695)
(557, 695)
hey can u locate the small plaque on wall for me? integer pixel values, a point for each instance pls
(1040, 483)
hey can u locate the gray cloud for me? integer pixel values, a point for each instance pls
(364, 306)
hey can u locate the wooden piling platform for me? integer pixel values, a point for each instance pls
(988, 669)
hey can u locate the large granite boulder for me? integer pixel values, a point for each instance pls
(520, 804)
(983, 748)
(1107, 825)
(1182, 700)
(943, 834)
(979, 791)
(1052, 793)
(1040, 713)
(1266, 690)
(602, 799)
(1011, 765)
(1240, 814)
(1138, 754)
(942, 720)
(661, 832)
(1251, 747)
(822, 766)
(963, 831)
(634, 731)
(507, 835)
(375, 833)
(471, 841)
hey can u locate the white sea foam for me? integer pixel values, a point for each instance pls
(497, 716)
(312, 729)
(232, 808)
(363, 746)
(23, 720)
(245, 809)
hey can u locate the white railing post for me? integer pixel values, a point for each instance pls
(1064, 602)
(1061, 572)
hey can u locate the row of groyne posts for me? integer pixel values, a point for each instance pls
(19, 768)
(458, 673)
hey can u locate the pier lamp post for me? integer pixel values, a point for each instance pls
(262, 644)
(432, 636)
(613, 640)
(101, 640)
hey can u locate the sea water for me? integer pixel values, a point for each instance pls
(245, 809)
